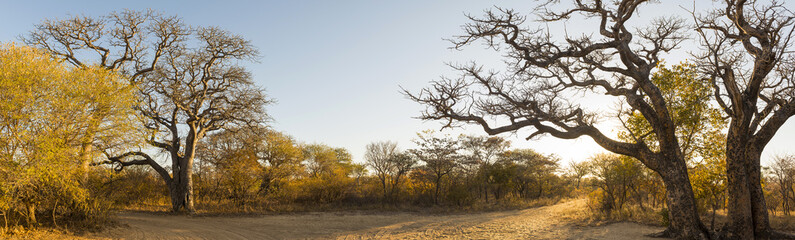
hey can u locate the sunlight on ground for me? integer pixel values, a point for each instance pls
(550, 222)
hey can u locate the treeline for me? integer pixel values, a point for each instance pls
(260, 169)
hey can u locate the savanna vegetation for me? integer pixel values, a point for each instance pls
(139, 110)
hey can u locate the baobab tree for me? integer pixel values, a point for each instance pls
(747, 54)
(188, 79)
(542, 76)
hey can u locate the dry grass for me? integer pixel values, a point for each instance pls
(647, 216)
(41, 233)
(784, 223)
(778, 220)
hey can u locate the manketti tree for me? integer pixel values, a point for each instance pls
(747, 52)
(189, 82)
(543, 77)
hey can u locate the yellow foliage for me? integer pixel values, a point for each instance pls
(49, 116)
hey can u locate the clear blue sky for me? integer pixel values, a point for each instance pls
(335, 67)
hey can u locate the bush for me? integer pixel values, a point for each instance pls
(459, 195)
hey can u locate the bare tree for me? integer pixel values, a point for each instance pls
(783, 170)
(542, 75)
(378, 155)
(747, 53)
(193, 92)
(188, 80)
(390, 164)
(578, 170)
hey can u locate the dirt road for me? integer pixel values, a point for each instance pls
(550, 222)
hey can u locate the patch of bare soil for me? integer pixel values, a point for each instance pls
(550, 222)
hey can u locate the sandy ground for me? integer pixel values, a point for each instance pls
(550, 222)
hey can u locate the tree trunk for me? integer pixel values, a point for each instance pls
(31, 209)
(5, 222)
(683, 214)
(181, 195)
(747, 207)
(85, 159)
(85, 155)
(177, 194)
(186, 186)
(395, 188)
(486, 189)
(762, 228)
(87, 145)
(784, 197)
(712, 222)
(436, 192)
(383, 185)
(181, 189)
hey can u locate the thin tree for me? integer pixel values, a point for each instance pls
(378, 155)
(783, 170)
(481, 152)
(439, 154)
(402, 163)
(578, 170)
(543, 74)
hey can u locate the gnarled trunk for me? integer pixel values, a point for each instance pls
(181, 191)
(748, 217)
(181, 188)
(177, 193)
(683, 214)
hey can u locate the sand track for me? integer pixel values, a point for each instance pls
(550, 222)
